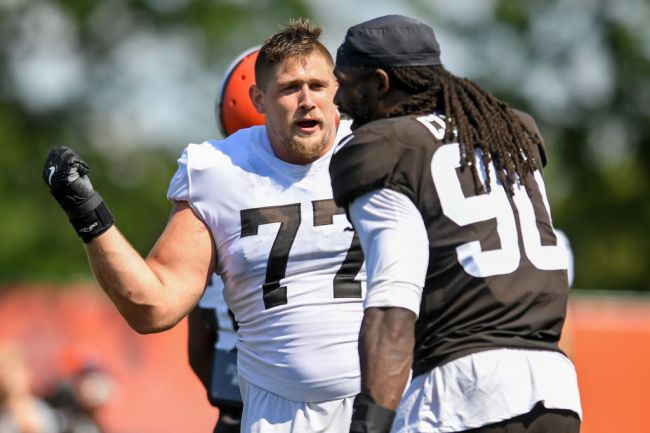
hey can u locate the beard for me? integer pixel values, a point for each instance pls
(359, 109)
(309, 147)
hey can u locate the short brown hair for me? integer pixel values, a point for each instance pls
(297, 38)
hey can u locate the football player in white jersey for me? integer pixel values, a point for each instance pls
(257, 209)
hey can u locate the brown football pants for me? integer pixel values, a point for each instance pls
(538, 420)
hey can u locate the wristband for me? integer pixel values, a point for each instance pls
(369, 417)
(92, 223)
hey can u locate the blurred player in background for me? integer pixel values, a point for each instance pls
(212, 354)
(256, 208)
(467, 281)
(234, 109)
(80, 398)
(211, 329)
(20, 410)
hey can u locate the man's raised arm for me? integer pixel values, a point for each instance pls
(153, 294)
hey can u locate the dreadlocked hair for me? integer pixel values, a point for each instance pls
(474, 118)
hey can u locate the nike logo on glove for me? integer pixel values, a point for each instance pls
(52, 170)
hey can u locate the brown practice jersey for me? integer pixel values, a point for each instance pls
(496, 276)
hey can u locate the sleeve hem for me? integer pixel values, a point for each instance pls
(395, 294)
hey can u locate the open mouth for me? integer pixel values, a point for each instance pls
(307, 124)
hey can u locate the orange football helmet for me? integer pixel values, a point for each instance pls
(234, 109)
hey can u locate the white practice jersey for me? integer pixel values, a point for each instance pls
(291, 265)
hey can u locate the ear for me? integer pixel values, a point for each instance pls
(257, 98)
(383, 82)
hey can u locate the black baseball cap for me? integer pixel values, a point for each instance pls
(391, 40)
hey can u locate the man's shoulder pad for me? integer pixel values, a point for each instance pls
(363, 161)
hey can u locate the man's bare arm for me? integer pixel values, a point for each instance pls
(152, 294)
(386, 345)
(155, 294)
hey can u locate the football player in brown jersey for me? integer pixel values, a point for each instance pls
(467, 282)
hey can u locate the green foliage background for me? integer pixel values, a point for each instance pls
(604, 206)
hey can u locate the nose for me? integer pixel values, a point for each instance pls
(338, 97)
(306, 99)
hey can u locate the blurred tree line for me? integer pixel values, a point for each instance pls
(599, 150)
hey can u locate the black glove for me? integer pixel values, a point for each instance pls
(66, 175)
(369, 417)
